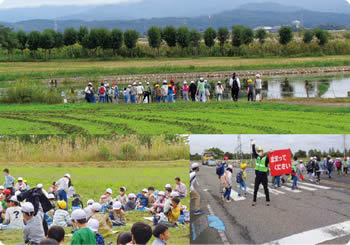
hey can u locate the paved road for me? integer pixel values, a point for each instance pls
(291, 213)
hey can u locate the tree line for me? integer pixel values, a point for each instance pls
(182, 37)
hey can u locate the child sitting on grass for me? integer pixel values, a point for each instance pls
(122, 197)
(13, 214)
(142, 200)
(161, 233)
(174, 212)
(61, 216)
(117, 213)
(151, 197)
(105, 228)
(33, 231)
(131, 204)
(84, 235)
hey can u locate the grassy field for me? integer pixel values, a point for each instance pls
(135, 176)
(89, 68)
(177, 118)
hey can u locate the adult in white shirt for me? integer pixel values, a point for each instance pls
(140, 90)
(164, 90)
(258, 87)
(63, 188)
(235, 85)
(195, 197)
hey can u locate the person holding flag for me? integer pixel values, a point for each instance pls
(261, 169)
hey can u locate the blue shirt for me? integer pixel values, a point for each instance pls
(116, 90)
(143, 200)
(9, 180)
(158, 241)
(99, 239)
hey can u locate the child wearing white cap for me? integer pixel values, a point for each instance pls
(13, 214)
(142, 199)
(118, 213)
(93, 224)
(131, 204)
(84, 235)
(106, 224)
(87, 209)
(20, 186)
(158, 206)
(33, 231)
(107, 197)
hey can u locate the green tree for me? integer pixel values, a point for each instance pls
(92, 41)
(70, 36)
(130, 39)
(154, 36)
(247, 35)
(195, 40)
(22, 40)
(82, 33)
(261, 35)
(223, 35)
(58, 39)
(183, 37)
(34, 41)
(117, 40)
(9, 42)
(209, 37)
(237, 35)
(322, 36)
(285, 35)
(308, 36)
(104, 39)
(218, 152)
(47, 40)
(169, 36)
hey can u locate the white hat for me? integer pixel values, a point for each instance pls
(258, 75)
(140, 83)
(27, 207)
(107, 85)
(93, 224)
(219, 82)
(117, 205)
(145, 190)
(78, 214)
(2, 187)
(20, 179)
(67, 175)
(201, 79)
(129, 86)
(17, 193)
(14, 199)
(39, 186)
(229, 166)
(167, 186)
(147, 83)
(96, 206)
(161, 193)
(90, 202)
(195, 165)
(134, 83)
(89, 83)
(185, 82)
(123, 188)
(131, 195)
(205, 81)
(192, 81)
(109, 190)
(174, 194)
(51, 196)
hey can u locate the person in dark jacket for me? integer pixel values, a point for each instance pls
(193, 90)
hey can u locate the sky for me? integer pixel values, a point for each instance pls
(228, 143)
(36, 3)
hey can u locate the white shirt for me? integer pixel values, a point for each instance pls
(258, 83)
(219, 89)
(62, 184)
(87, 90)
(140, 89)
(182, 187)
(20, 187)
(231, 82)
(193, 178)
(14, 214)
(164, 89)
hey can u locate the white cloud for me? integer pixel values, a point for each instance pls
(36, 3)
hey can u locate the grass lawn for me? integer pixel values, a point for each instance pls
(177, 118)
(91, 181)
(89, 68)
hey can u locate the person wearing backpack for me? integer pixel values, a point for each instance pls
(227, 183)
(220, 171)
(193, 90)
(235, 85)
(241, 178)
(102, 93)
(310, 168)
(339, 164)
(329, 166)
(345, 165)
(201, 90)
(261, 169)
(147, 93)
(317, 170)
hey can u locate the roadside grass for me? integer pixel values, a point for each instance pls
(91, 180)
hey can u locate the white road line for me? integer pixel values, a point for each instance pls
(316, 186)
(303, 187)
(289, 189)
(235, 197)
(251, 191)
(273, 191)
(316, 236)
(221, 233)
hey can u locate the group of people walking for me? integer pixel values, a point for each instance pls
(201, 91)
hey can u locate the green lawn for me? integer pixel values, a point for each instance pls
(177, 118)
(91, 182)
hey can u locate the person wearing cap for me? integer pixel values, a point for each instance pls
(235, 85)
(106, 224)
(20, 186)
(117, 213)
(131, 204)
(51, 198)
(227, 183)
(63, 188)
(133, 93)
(164, 90)
(142, 199)
(339, 165)
(61, 216)
(33, 231)
(180, 188)
(193, 90)
(201, 90)
(89, 93)
(185, 90)
(87, 209)
(345, 165)
(140, 90)
(250, 90)
(106, 199)
(13, 214)
(157, 92)
(116, 93)
(83, 235)
(122, 197)
(219, 90)
(41, 186)
(93, 224)
(244, 178)
(194, 195)
(109, 94)
(9, 180)
(102, 93)
(261, 169)
(207, 90)
(171, 93)
(258, 88)
(147, 93)
(158, 206)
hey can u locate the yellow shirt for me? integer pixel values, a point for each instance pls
(174, 214)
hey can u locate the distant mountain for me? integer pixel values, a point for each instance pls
(147, 9)
(241, 16)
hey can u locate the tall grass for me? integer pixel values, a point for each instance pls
(67, 149)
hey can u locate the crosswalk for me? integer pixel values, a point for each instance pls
(286, 188)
